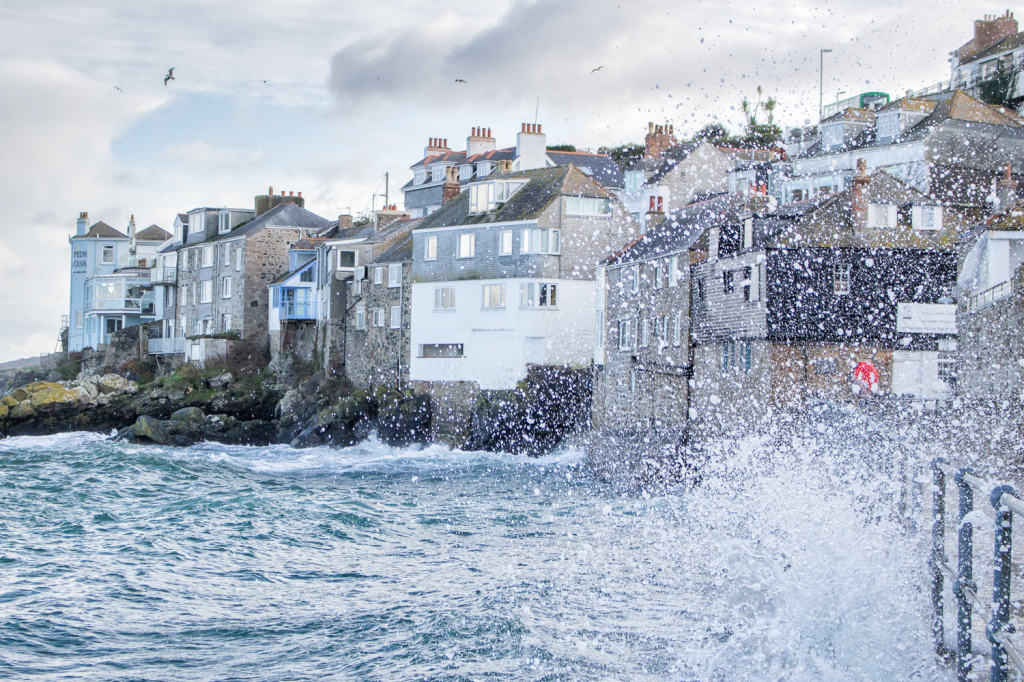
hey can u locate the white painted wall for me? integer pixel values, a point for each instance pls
(499, 343)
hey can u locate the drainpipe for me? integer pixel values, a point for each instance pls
(401, 321)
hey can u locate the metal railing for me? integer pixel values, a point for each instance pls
(298, 310)
(998, 628)
(171, 346)
(990, 295)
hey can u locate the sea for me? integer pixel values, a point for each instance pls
(128, 562)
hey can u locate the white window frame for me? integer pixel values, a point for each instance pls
(360, 317)
(226, 254)
(225, 322)
(430, 248)
(103, 255)
(378, 275)
(540, 240)
(197, 222)
(207, 252)
(421, 176)
(881, 216)
(206, 291)
(538, 296)
(748, 233)
(223, 223)
(396, 317)
(493, 296)
(439, 298)
(505, 243)
(625, 335)
(466, 245)
(676, 328)
(238, 258)
(635, 283)
(588, 206)
(357, 287)
(921, 215)
(645, 332)
(673, 271)
(841, 279)
(225, 287)
(79, 319)
(659, 268)
(394, 276)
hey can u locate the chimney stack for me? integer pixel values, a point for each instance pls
(480, 142)
(265, 202)
(344, 221)
(859, 195)
(1007, 188)
(131, 227)
(435, 146)
(531, 147)
(450, 189)
(988, 32)
(83, 223)
(659, 139)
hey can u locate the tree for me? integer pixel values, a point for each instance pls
(759, 134)
(562, 148)
(625, 154)
(1000, 88)
(715, 133)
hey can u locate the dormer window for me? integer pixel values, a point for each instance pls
(223, 223)
(437, 174)
(196, 222)
(486, 196)
(466, 172)
(888, 125)
(483, 169)
(420, 176)
(832, 135)
(587, 206)
(927, 217)
(881, 215)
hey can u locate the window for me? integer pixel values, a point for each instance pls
(360, 317)
(645, 333)
(357, 287)
(494, 295)
(700, 289)
(656, 204)
(225, 322)
(841, 279)
(625, 334)
(394, 276)
(506, 243)
(635, 283)
(225, 287)
(481, 197)
(421, 176)
(206, 291)
(168, 297)
(430, 249)
(226, 254)
(108, 254)
(113, 324)
(538, 295)
(378, 275)
(658, 270)
(751, 284)
(466, 171)
(238, 258)
(437, 173)
(737, 355)
(207, 256)
(306, 275)
(927, 217)
(888, 125)
(587, 206)
(379, 317)
(396, 317)
(444, 298)
(748, 233)
(441, 350)
(541, 241)
(673, 271)
(347, 259)
(727, 281)
(223, 223)
(881, 215)
(196, 223)
(467, 245)
(78, 319)
(832, 135)
(676, 328)
(108, 290)
(197, 327)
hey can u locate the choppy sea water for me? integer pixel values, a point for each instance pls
(123, 562)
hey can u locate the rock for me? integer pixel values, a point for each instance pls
(9, 401)
(177, 396)
(220, 382)
(54, 375)
(252, 432)
(22, 411)
(3, 411)
(23, 393)
(189, 415)
(112, 383)
(404, 419)
(147, 428)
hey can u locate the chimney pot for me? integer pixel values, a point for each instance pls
(289, 194)
(300, 194)
(271, 191)
(488, 132)
(282, 192)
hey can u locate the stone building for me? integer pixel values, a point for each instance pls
(377, 324)
(787, 302)
(228, 259)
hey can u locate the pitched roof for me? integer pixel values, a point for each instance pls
(292, 273)
(101, 230)
(544, 186)
(598, 166)
(399, 253)
(962, 107)
(1008, 43)
(682, 228)
(282, 215)
(852, 115)
(153, 233)
(447, 157)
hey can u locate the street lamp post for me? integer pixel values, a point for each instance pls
(821, 85)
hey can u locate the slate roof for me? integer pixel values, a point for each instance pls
(544, 186)
(681, 228)
(153, 233)
(601, 167)
(101, 230)
(1008, 43)
(282, 215)
(292, 273)
(399, 253)
(449, 157)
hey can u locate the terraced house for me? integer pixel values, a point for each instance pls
(504, 276)
(226, 262)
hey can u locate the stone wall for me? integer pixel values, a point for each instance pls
(265, 258)
(124, 344)
(992, 348)
(379, 356)
(452, 403)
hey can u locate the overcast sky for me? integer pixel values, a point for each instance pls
(356, 88)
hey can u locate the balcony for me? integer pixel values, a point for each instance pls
(298, 310)
(174, 346)
(165, 276)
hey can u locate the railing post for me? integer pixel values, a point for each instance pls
(1000, 622)
(938, 551)
(964, 575)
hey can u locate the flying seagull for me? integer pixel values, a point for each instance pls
(264, 82)
(169, 76)
(459, 80)
(119, 89)
(597, 69)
